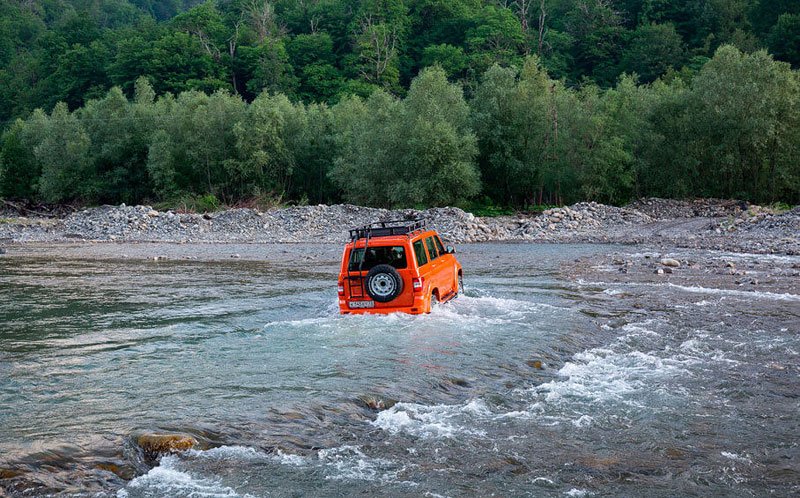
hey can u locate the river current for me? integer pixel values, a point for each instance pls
(531, 384)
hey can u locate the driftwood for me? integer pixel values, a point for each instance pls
(40, 210)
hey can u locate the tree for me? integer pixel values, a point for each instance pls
(437, 165)
(19, 168)
(784, 39)
(597, 31)
(63, 153)
(268, 161)
(192, 150)
(516, 120)
(652, 51)
(406, 153)
(451, 59)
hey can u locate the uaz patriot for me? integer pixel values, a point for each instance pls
(397, 266)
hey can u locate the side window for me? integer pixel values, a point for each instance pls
(419, 252)
(439, 245)
(431, 248)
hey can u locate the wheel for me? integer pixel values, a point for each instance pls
(460, 291)
(384, 283)
(434, 303)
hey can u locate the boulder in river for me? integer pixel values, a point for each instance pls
(376, 402)
(155, 445)
(674, 263)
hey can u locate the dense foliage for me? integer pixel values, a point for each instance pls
(522, 102)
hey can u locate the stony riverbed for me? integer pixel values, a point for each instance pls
(706, 224)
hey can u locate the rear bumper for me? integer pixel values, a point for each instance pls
(418, 307)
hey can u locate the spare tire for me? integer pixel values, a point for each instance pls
(384, 283)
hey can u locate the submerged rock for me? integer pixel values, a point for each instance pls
(9, 473)
(121, 471)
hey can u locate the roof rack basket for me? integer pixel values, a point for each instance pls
(384, 228)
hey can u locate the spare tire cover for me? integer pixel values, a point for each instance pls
(384, 283)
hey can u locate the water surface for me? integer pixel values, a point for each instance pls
(529, 385)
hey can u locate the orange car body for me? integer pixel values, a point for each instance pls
(422, 273)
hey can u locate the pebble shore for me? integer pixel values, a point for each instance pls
(702, 224)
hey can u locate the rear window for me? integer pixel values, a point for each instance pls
(419, 252)
(378, 255)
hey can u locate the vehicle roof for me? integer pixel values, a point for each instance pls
(393, 239)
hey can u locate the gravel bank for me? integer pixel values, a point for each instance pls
(703, 224)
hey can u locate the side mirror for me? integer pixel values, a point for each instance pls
(450, 250)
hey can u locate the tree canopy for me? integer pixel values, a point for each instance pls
(399, 102)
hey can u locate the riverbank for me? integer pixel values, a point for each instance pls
(702, 224)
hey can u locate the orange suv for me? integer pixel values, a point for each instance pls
(397, 266)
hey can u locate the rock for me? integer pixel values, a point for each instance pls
(123, 472)
(730, 264)
(9, 473)
(674, 263)
(155, 445)
(537, 364)
(2, 251)
(152, 213)
(377, 403)
(659, 271)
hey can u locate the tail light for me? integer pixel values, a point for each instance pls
(341, 288)
(417, 283)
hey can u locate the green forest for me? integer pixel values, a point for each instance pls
(399, 103)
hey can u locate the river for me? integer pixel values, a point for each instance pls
(531, 384)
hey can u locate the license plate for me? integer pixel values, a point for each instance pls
(362, 304)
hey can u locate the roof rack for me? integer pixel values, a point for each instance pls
(384, 228)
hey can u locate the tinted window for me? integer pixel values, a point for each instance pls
(431, 247)
(439, 246)
(378, 255)
(419, 252)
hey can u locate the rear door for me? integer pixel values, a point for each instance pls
(434, 275)
(447, 266)
(394, 255)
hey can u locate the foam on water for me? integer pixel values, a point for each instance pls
(698, 290)
(578, 492)
(733, 292)
(167, 479)
(350, 463)
(735, 457)
(235, 454)
(433, 421)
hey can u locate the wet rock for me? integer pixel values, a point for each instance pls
(537, 364)
(669, 262)
(121, 471)
(675, 454)
(9, 474)
(155, 445)
(507, 464)
(376, 402)
(659, 271)
(457, 381)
